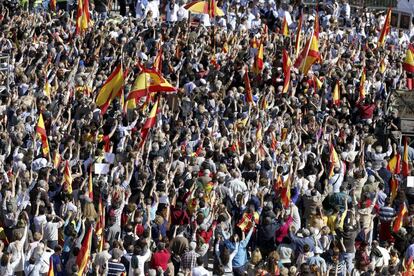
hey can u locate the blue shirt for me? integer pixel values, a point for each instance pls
(240, 259)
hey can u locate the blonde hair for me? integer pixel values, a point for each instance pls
(89, 211)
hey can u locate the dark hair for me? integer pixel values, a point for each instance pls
(200, 261)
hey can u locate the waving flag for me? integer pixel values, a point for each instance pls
(394, 164)
(394, 188)
(259, 132)
(51, 271)
(82, 259)
(149, 123)
(111, 89)
(68, 177)
(408, 64)
(310, 54)
(333, 159)
(258, 62)
(286, 70)
(82, 17)
(249, 95)
(285, 28)
(405, 165)
(383, 67)
(158, 61)
(52, 5)
(246, 221)
(362, 85)
(205, 7)
(385, 29)
(100, 226)
(336, 98)
(285, 194)
(41, 132)
(56, 159)
(399, 220)
(317, 82)
(298, 36)
(90, 184)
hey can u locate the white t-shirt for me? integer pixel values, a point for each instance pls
(200, 271)
(172, 14)
(51, 231)
(38, 221)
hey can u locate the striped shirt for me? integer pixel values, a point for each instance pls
(115, 268)
(386, 213)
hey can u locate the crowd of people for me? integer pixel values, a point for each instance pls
(233, 179)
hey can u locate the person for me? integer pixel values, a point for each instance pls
(199, 270)
(115, 267)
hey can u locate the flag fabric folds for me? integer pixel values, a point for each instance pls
(386, 29)
(51, 271)
(84, 254)
(399, 220)
(258, 61)
(111, 88)
(285, 28)
(285, 194)
(394, 185)
(408, 63)
(149, 123)
(249, 95)
(41, 131)
(298, 36)
(205, 7)
(333, 159)
(405, 165)
(52, 5)
(336, 98)
(83, 16)
(100, 226)
(286, 70)
(394, 165)
(68, 177)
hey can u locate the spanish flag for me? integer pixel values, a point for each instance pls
(278, 184)
(286, 71)
(100, 226)
(51, 271)
(408, 64)
(111, 88)
(82, 17)
(90, 183)
(298, 36)
(41, 131)
(408, 266)
(205, 7)
(254, 43)
(149, 123)
(68, 177)
(47, 89)
(263, 103)
(362, 85)
(394, 188)
(258, 62)
(405, 165)
(336, 98)
(56, 159)
(317, 82)
(394, 164)
(148, 81)
(285, 194)
(249, 95)
(84, 253)
(399, 220)
(333, 159)
(310, 54)
(225, 47)
(273, 143)
(285, 28)
(259, 132)
(158, 61)
(246, 222)
(385, 29)
(382, 66)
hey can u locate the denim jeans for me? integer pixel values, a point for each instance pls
(349, 261)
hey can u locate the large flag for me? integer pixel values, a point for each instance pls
(394, 188)
(386, 28)
(83, 16)
(148, 81)
(51, 271)
(41, 131)
(205, 7)
(399, 220)
(394, 165)
(408, 64)
(110, 89)
(285, 28)
(405, 165)
(298, 36)
(333, 159)
(336, 98)
(249, 95)
(84, 254)
(149, 123)
(362, 85)
(258, 61)
(286, 70)
(68, 177)
(285, 194)
(310, 54)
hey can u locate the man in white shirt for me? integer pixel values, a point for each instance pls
(172, 11)
(199, 270)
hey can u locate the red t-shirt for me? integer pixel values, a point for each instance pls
(366, 111)
(160, 259)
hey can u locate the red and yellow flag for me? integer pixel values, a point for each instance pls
(285, 194)
(249, 95)
(310, 54)
(68, 177)
(83, 16)
(51, 271)
(394, 165)
(394, 185)
(205, 7)
(285, 28)
(84, 254)
(111, 88)
(258, 62)
(298, 36)
(317, 82)
(149, 123)
(333, 159)
(286, 71)
(90, 184)
(259, 132)
(52, 5)
(336, 98)
(399, 220)
(382, 66)
(385, 29)
(362, 85)
(41, 131)
(100, 226)
(158, 61)
(408, 64)
(56, 159)
(246, 222)
(405, 165)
